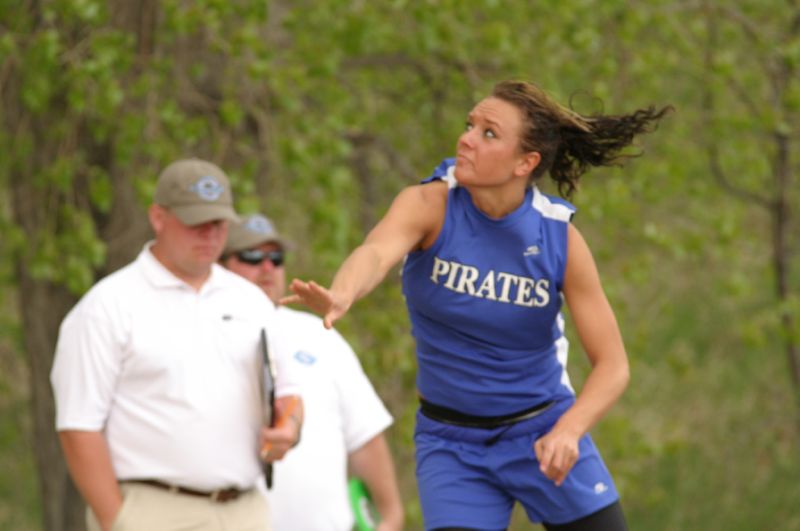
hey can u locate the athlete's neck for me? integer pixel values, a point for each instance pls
(497, 202)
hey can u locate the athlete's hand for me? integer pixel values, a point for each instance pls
(319, 299)
(557, 452)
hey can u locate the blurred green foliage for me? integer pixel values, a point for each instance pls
(322, 111)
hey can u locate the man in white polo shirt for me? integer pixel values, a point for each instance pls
(345, 418)
(156, 375)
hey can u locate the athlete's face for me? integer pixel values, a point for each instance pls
(488, 152)
(187, 250)
(269, 274)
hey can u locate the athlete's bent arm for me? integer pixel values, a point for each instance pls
(89, 463)
(414, 214)
(373, 464)
(599, 334)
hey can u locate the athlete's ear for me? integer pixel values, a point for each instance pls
(527, 163)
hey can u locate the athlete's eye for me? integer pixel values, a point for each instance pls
(467, 126)
(489, 133)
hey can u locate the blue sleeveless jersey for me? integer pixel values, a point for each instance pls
(484, 302)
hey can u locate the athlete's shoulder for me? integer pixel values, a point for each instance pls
(423, 200)
(433, 189)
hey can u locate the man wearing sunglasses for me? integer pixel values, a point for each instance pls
(156, 375)
(344, 418)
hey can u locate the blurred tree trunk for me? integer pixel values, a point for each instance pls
(42, 303)
(41, 308)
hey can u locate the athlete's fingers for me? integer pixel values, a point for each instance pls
(316, 297)
(562, 475)
(556, 458)
(297, 285)
(560, 466)
(319, 293)
(566, 459)
(313, 286)
(537, 449)
(556, 462)
(289, 299)
(545, 456)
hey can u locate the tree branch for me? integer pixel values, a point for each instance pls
(709, 106)
(750, 28)
(722, 179)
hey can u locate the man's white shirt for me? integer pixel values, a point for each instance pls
(342, 413)
(170, 374)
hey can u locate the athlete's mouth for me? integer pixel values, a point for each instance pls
(462, 159)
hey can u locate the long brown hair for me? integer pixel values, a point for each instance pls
(568, 142)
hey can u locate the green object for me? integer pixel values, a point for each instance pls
(361, 503)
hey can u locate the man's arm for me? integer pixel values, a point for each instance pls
(89, 463)
(373, 464)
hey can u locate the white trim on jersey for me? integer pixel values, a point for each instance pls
(549, 209)
(562, 351)
(450, 177)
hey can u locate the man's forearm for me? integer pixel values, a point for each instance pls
(373, 464)
(89, 462)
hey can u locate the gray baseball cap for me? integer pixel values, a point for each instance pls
(196, 191)
(252, 231)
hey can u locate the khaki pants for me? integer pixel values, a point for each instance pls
(152, 509)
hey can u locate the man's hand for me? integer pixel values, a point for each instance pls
(278, 440)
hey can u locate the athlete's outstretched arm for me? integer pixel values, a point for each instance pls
(416, 212)
(599, 334)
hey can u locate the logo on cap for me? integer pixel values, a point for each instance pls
(259, 225)
(207, 188)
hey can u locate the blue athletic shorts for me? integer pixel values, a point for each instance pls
(470, 477)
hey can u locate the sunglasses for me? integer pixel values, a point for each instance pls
(257, 256)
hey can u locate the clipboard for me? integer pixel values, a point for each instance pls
(267, 396)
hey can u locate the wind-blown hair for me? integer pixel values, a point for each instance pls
(568, 142)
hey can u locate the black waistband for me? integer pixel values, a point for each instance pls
(457, 418)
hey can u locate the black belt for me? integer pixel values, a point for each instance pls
(456, 418)
(219, 495)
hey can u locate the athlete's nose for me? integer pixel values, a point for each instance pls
(466, 139)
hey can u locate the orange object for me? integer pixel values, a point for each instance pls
(291, 406)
